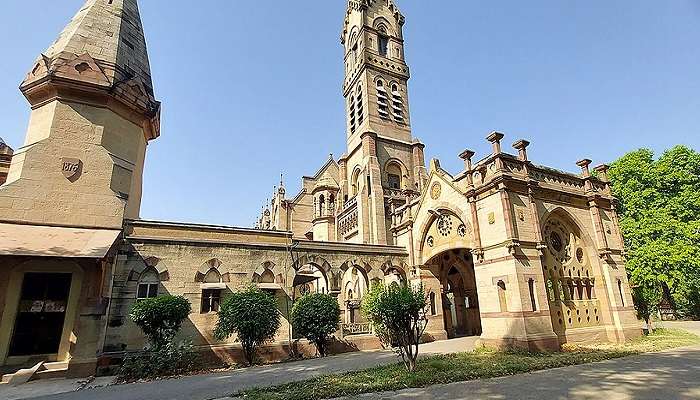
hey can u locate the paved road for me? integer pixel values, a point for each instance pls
(669, 375)
(206, 387)
(661, 376)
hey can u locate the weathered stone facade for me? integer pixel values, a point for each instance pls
(514, 252)
(519, 254)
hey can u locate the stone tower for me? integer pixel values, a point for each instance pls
(384, 165)
(93, 114)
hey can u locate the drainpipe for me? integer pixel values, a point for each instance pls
(110, 290)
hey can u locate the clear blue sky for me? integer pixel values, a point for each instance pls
(252, 88)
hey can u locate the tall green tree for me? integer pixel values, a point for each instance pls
(315, 317)
(659, 208)
(397, 314)
(252, 315)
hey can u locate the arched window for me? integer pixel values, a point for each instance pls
(383, 45)
(622, 295)
(321, 205)
(396, 103)
(267, 277)
(360, 106)
(579, 289)
(355, 182)
(211, 291)
(502, 296)
(433, 305)
(148, 285)
(382, 100)
(393, 174)
(533, 296)
(351, 112)
(213, 276)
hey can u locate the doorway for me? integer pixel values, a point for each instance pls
(460, 303)
(41, 314)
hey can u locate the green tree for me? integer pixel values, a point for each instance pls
(646, 302)
(659, 207)
(160, 318)
(252, 316)
(316, 317)
(397, 314)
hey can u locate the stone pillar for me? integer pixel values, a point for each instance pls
(375, 192)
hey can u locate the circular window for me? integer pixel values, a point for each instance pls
(558, 242)
(431, 241)
(462, 230)
(444, 225)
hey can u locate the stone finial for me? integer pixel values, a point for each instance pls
(495, 139)
(521, 146)
(467, 155)
(434, 165)
(584, 164)
(602, 171)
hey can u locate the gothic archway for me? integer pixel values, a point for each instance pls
(443, 230)
(569, 267)
(460, 303)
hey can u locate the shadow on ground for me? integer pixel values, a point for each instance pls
(669, 375)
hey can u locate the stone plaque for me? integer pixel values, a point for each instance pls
(435, 191)
(71, 168)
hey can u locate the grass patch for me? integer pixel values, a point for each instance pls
(482, 363)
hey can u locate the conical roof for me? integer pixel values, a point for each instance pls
(110, 31)
(103, 47)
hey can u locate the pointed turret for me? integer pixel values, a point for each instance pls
(93, 113)
(102, 49)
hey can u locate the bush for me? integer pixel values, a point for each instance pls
(160, 318)
(169, 359)
(250, 314)
(397, 313)
(316, 317)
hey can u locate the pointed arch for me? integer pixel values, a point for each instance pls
(209, 265)
(460, 232)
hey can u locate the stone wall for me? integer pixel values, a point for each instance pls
(181, 255)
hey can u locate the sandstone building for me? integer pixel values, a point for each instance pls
(5, 159)
(516, 253)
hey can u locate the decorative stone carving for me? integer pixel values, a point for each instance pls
(435, 191)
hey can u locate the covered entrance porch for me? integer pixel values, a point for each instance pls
(459, 302)
(52, 299)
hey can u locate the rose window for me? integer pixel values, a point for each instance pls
(444, 225)
(558, 241)
(462, 230)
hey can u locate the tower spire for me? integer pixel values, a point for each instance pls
(93, 113)
(102, 47)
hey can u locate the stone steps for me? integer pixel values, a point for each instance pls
(42, 370)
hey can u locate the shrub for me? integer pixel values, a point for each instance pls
(252, 315)
(397, 313)
(316, 317)
(160, 318)
(169, 359)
